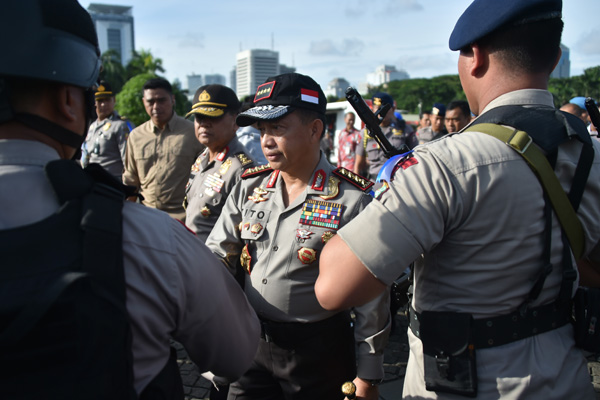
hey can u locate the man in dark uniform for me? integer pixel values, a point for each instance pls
(437, 128)
(221, 164)
(106, 141)
(274, 225)
(369, 154)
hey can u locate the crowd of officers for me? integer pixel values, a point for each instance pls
(282, 291)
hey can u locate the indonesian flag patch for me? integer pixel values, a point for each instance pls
(311, 96)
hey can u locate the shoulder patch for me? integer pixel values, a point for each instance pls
(256, 171)
(244, 160)
(362, 183)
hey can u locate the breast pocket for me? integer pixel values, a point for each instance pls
(253, 226)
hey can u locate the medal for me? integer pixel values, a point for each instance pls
(307, 256)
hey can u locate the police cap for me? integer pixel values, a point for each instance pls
(483, 17)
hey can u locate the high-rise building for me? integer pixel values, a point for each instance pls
(211, 79)
(563, 68)
(337, 88)
(253, 67)
(384, 74)
(193, 83)
(114, 26)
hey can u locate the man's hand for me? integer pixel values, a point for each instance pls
(365, 391)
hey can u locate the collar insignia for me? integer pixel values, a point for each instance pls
(319, 180)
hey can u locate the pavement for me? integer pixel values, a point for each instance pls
(395, 358)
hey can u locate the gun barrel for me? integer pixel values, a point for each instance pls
(371, 122)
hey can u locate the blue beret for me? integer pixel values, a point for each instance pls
(381, 98)
(485, 16)
(439, 109)
(578, 101)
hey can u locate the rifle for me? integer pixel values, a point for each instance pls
(593, 112)
(372, 122)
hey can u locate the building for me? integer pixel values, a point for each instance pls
(212, 79)
(337, 88)
(563, 68)
(114, 26)
(193, 83)
(384, 74)
(253, 67)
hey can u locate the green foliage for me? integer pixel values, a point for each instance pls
(143, 62)
(129, 101)
(112, 70)
(586, 85)
(182, 104)
(409, 93)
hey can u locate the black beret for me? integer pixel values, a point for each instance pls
(485, 16)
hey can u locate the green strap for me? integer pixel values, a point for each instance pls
(522, 143)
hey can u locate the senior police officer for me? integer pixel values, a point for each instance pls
(369, 154)
(220, 166)
(169, 275)
(106, 141)
(276, 221)
(493, 285)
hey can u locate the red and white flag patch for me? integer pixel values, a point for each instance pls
(311, 96)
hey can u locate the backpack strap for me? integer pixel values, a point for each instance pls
(521, 142)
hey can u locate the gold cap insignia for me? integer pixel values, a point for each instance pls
(204, 96)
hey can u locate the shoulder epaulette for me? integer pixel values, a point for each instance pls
(261, 169)
(362, 183)
(244, 160)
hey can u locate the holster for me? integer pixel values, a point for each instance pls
(586, 321)
(448, 354)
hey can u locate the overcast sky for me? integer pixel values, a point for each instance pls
(326, 39)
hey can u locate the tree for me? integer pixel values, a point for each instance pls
(129, 100)
(182, 104)
(143, 62)
(112, 70)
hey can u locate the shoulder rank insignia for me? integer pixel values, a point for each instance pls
(362, 183)
(256, 171)
(244, 160)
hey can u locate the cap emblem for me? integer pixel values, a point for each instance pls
(204, 96)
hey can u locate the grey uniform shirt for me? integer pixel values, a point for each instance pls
(106, 143)
(280, 248)
(175, 286)
(470, 211)
(210, 184)
(374, 154)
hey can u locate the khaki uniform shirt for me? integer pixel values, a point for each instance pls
(170, 275)
(159, 162)
(106, 142)
(470, 211)
(280, 249)
(210, 184)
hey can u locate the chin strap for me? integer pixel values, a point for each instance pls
(42, 125)
(50, 129)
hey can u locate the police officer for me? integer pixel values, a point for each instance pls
(274, 224)
(397, 132)
(220, 166)
(488, 289)
(106, 141)
(437, 128)
(47, 101)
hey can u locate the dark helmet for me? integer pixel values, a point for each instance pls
(49, 40)
(53, 41)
